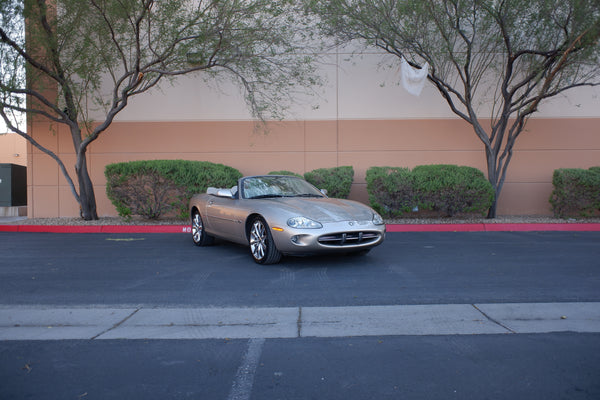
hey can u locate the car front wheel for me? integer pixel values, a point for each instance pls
(199, 236)
(262, 246)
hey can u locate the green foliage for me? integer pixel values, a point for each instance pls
(155, 187)
(391, 190)
(85, 59)
(452, 189)
(576, 192)
(148, 193)
(595, 169)
(12, 67)
(124, 47)
(446, 190)
(337, 181)
(506, 56)
(284, 172)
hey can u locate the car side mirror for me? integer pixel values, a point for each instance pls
(324, 191)
(225, 193)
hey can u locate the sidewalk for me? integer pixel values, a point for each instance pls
(91, 323)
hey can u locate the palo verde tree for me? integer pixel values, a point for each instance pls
(493, 61)
(90, 57)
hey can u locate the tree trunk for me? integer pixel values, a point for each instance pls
(87, 198)
(493, 179)
(493, 209)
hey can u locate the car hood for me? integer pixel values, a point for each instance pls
(325, 210)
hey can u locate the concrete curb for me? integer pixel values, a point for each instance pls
(91, 323)
(478, 227)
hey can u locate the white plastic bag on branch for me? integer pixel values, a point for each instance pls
(413, 79)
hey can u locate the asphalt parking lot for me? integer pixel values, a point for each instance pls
(409, 268)
(471, 315)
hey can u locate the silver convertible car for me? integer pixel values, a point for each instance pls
(278, 215)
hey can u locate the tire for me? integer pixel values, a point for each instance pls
(262, 246)
(199, 235)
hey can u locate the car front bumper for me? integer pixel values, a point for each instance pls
(344, 236)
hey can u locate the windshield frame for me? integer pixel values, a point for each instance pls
(274, 186)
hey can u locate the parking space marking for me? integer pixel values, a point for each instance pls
(241, 389)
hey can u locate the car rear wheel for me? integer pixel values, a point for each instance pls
(199, 235)
(262, 246)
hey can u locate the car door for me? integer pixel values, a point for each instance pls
(226, 218)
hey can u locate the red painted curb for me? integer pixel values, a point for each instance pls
(435, 228)
(58, 228)
(514, 227)
(483, 227)
(542, 227)
(97, 228)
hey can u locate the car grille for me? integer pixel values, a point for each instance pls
(349, 238)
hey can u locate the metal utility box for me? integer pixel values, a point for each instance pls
(13, 185)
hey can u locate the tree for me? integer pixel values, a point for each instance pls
(82, 56)
(493, 61)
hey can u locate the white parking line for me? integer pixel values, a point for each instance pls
(244, 378)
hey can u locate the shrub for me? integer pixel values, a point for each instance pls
(443, 189)
(337, 181)
(595, 169)
(452, 189)
(285, 173)
(576, 192)
(156, 187)
(148, 193)
(391, 190)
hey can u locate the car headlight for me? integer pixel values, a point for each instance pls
(377, 220)
(303, 223)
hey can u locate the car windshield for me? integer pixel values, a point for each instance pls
(257, 187)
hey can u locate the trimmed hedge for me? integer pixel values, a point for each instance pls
(337, 181)
(284, 172)
(576, 192)
(445, 190)
(157, 187)
(452, 189)
(391, 190)
(595, 169)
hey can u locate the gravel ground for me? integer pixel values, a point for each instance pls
(454, 220)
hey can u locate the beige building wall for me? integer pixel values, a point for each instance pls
(13, 149)
(363, 119)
